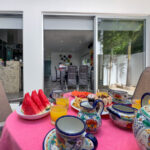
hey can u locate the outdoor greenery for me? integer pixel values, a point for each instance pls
(117, 42)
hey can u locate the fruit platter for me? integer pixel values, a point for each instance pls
(80, 94)
(106, 98)
(35, 106)
(75, 103)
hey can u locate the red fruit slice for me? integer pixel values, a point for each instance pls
(28, 106)
(37, 100)
(43, 98)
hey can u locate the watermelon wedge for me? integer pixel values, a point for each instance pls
(28, 106)
(37, 100)
(43, 98)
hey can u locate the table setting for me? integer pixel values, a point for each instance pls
(76, 121)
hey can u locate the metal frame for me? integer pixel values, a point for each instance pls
(146, 35)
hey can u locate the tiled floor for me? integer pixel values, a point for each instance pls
(49, 86)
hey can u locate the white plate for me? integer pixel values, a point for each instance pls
(31, 117)
(78, 109)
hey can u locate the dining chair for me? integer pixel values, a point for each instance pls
(63, 78)
(72, 76)
(83, 76)
(57, 74)
(72, 69)
(143, 85)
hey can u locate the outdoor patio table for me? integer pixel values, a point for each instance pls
(19, 134)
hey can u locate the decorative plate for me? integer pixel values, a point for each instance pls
(31, 117)
(126, 102)
(78, 109)
(49, 142)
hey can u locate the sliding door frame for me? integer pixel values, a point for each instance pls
(95, 36)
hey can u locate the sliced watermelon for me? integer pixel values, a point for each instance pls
(37, 100)
(43, 98)
(29, 107)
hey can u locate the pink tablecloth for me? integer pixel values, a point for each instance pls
(19, 134)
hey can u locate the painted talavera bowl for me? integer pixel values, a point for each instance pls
(141, 125)
(120, 97)
(122, 115)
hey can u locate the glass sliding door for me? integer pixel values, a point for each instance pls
(120, 52)
(68, 42)
(11, 54)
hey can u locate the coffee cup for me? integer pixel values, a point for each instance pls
(70, 134)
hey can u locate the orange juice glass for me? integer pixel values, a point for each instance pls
(136, 103)
(56, 112)
(63, 101)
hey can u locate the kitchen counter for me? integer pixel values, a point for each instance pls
(10, 75)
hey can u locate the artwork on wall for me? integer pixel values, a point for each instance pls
(66, 59)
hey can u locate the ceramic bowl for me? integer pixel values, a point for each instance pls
(122, 115)
(145, 99)
(120, 95)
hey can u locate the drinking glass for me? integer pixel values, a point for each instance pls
(102, 93)
(56, 112)
(63, 101)
(136, 103)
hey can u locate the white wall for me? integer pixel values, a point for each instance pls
(33, 26)
(136, 67)
(119, 69)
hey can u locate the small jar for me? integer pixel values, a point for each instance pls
(91, 99)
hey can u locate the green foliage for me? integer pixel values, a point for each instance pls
(116, 42)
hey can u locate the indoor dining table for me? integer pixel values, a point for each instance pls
(20, 134)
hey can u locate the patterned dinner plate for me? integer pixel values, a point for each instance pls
(49, 142)
(78, 109)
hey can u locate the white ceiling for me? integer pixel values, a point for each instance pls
(67, 40)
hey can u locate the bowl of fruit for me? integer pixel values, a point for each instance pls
(34, 106)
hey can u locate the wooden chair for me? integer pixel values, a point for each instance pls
(143, 84)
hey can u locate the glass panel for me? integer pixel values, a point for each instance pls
(122, 55)
(11, 55)
(68, 44)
